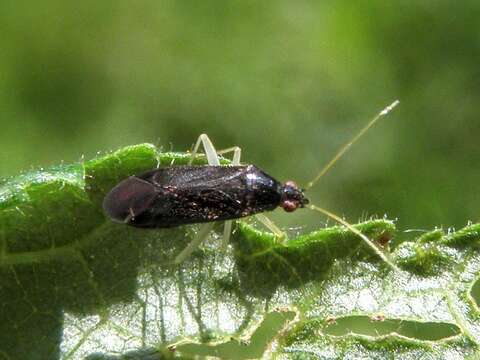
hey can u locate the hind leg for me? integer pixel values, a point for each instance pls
(195, 243)
(212, 159)
(227, 228)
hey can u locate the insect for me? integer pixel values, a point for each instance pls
(178, 195)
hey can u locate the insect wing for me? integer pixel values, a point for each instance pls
(178, 195)
(191, 177)
(129, 198)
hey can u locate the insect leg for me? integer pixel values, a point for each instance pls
(205, 229)
(194, 244)
(270, 225)
(260, 217)
(212, 158)
(237, 153)
(210, 152)
(227, 231)
(227, 228)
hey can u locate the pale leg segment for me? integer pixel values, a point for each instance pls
(237, 153)
(212, 159)
(227, 228)
(210, 153)
(269, 224)
(195, 243)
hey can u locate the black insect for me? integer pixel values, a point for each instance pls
(177, 195)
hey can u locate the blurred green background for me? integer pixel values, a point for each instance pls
(288, 81)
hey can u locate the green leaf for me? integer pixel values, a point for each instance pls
(75, 285)
(253, 348)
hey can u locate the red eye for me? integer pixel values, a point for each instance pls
(289, 205)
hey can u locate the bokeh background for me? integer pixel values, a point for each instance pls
(288, 81)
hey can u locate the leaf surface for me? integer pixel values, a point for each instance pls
(75, 285)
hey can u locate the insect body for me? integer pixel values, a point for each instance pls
(177, 195)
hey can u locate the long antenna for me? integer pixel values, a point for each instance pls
(350, 227)
(346, 147)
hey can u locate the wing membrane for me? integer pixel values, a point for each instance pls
(195, 176)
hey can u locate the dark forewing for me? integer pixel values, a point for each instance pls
(129, 198)
(194, 176)
(195, 194)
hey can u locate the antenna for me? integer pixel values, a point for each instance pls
(346, 147)
(350, 227)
